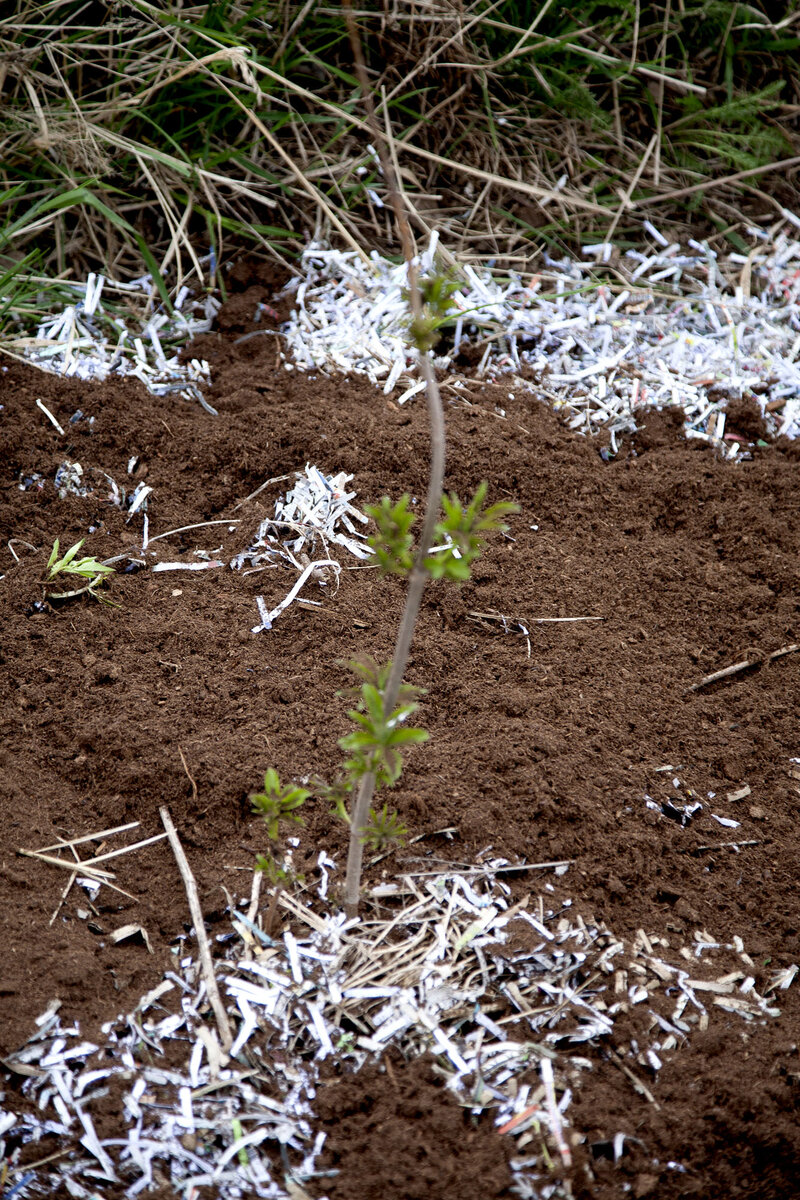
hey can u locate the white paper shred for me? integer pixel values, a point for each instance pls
(439, 971)
(315, 514)
(683, 332)
(94, 338)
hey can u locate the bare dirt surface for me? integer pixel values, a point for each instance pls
(692, 566)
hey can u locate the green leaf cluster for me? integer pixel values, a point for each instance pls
(269, 866)
(277, 803)
(85, 568)
(464, 530)
(373, 743)
(392, 545)
(437, 292)
(376, 745)
(384, 827)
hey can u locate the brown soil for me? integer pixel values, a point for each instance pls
(393, 1130)
(691, 564)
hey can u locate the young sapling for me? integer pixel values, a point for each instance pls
(386, 702)
(276, 803)
(430, 302)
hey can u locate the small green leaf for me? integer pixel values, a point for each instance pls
(271, 868)
(70, 555)
(392, 544)
(276, 804)
(373, 702)
(272, 784)
(407, 737)
(238, 1135)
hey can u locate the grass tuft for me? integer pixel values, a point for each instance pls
(143, 137)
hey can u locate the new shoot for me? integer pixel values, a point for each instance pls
(94, 572)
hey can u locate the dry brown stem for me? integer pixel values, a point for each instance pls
(206, 962)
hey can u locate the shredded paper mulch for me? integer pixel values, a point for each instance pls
(515, 1001)
(131, 335)
(601, 338)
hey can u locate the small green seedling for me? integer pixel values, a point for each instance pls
(385, 828)
(346, 1043)
(85, 568)
(275, 804)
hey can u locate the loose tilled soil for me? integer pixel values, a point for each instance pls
(691, 564)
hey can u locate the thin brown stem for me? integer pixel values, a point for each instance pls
(405, 632)
(269, 919)
(419, 574)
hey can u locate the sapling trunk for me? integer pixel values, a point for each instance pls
(416, 585)
(385, 701)
(419, 575)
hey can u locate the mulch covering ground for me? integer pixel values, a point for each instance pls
(691, 563)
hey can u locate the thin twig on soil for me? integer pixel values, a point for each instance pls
(260, 488)
(89, 837)
(93, 872)
(499, 617)
(726, 846)
(206, 962)
(90, 862)
(188, 774)
(640, 1087)
(64, 895)
(736, 668)
(88, 867)
(83, 868)
(202, 524)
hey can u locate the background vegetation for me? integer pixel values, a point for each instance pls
(138, 136)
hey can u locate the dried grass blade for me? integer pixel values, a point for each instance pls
(200, 930)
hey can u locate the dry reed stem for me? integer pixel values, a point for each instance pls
(206, 962)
